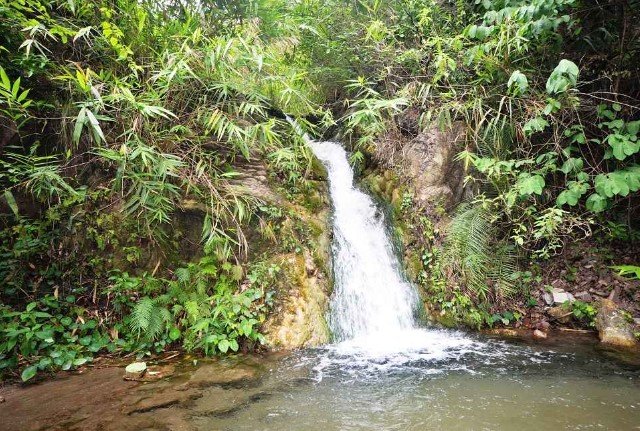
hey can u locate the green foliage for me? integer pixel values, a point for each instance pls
(631, 271)
(584, 312)
(49, 333)
(202, 308)
(563, 77)
(484, 266)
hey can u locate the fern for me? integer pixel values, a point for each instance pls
(150, 318)
(483, 264)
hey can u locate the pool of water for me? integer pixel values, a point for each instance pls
(448, 381)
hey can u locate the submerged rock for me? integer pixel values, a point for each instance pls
(613, 328)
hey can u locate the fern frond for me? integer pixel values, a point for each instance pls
(478, 258)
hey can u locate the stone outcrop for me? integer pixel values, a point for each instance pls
(613, 328)
(302, 293)
(299, 319)
(427, 163)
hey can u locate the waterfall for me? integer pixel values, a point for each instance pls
(372, 299)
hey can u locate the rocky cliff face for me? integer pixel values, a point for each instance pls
(304, 284)
(426, 163)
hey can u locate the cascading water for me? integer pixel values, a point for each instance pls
(371, 296)
(372, 310)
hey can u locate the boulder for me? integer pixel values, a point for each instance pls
(135, 371)
(427, 162)
(299, 318)
(613, 328)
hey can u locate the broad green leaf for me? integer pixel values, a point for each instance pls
(11, 201)
(572, 165)
(563, 77)
(174, 334)
(572, 194)
(528, 184)
(518, 82)
(537, 124)
(622, 145)
(617, 183)
(633, 127)
(224, 345)
(29, 373)
(95, 126)
(596, 203)
(6, 83)
(77, 130)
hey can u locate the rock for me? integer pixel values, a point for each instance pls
(2, 400)
(548, 298)
(538, 334)
(560, 296)
(637, 321)
(583, 296)
(543, 325)
(598, 292)
(135, 371)
(300, 320)
(157, 372)
(560, 314)
(221, 374)
(427, 161)
(504, 332)
(613, 328)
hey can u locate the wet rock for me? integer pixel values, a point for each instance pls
(300, 320)
(560, 314)
(583, 296)
(157, 372)
(560, 296)
(427, 161)
(543, 325)
(135, 371)
(613, 328)
(505, 332)
(160, 400)
(219, 374)
(538, 334)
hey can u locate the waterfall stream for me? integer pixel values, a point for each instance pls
(371, 296)
(373, 307)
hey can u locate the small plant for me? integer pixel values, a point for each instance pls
(584, 312)
(629, 271)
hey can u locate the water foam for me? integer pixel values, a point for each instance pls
(373, 307)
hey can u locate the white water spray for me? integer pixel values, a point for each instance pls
(373, 306)
(371, 296)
